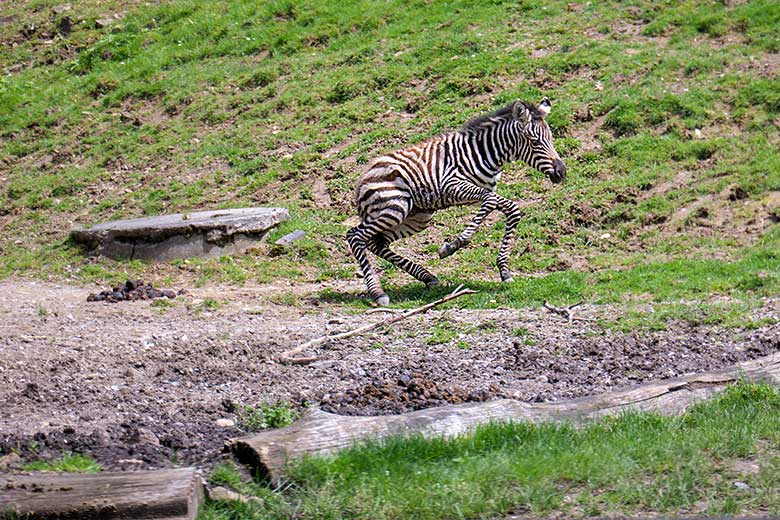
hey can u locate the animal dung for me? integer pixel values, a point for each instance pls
(131, 291)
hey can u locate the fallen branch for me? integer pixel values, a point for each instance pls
(287, 356)
(384, 309)
(567, 312)
(167, 493)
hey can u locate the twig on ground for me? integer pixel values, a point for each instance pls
(287, 356)
(567, 312)
(384, 309)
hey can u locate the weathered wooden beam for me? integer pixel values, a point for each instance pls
(320, 432)
(170, 494)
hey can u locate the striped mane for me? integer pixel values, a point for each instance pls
(497, 116)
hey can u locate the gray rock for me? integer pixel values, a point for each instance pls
(11, 459)
(144, 436)
(222, 493)
(289, 238)
(204, 234)
(104, 22)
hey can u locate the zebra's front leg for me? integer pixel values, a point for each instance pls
(513, 215)
(462, 240)
(467, 193)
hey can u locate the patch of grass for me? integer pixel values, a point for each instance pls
(756, 274)
(207, 304)
(163, 304)
(68, 463)
(736, 314)
(267, 416)
(442, 332)
(627, 465)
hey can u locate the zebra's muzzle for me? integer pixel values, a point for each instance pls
(558, 174)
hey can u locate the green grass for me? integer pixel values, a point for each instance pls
(681, 289)
(637, 462)
(192, 105)
(68, 463)
(267, 416)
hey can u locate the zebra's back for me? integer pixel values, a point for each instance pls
(415, 173)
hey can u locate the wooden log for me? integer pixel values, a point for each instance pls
(170, 494)
(320, 432)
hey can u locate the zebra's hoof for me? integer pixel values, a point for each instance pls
(430, 284)
(506, 277)
(447, 249)
(383, 301)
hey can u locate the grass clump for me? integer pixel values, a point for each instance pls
(267, 416)
(68, 463)
(630, 464)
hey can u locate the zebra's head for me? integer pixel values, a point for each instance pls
(537, 149)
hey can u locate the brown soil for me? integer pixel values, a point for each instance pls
(138, 385)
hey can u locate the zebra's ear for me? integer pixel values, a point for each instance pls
(544, 107)
(521, 113)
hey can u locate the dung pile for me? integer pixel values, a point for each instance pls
(408, 393)
(131, 291)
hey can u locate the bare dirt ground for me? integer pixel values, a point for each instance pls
(135, 385)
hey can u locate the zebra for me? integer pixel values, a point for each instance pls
(399, 193)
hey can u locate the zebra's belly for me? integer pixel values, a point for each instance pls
(428, 200)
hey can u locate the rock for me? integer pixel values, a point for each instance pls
(130, 462)
(289, 238)
(742, 486)
(100, 23)
(59, 9)
(225, 423)
(144, 436)
(746, 467)
(222, 493)
(205, 234)
(11, 459)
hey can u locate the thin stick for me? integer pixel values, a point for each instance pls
(384, 309)
(286, 357)
(567, 313)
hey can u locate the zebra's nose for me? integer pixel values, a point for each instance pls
(559, 171)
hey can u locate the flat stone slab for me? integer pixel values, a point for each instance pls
(203, 234)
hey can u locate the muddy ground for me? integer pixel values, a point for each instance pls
(139, 385)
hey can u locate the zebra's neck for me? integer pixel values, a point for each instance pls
(489, 148)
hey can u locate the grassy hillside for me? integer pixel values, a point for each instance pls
(666, 114)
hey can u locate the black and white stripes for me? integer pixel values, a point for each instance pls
(399, 193)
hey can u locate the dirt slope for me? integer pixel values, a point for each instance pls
(136, 385)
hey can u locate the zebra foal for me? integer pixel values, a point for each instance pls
(399, 193)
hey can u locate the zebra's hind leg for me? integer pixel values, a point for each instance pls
(358, 239)
(379, 246)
